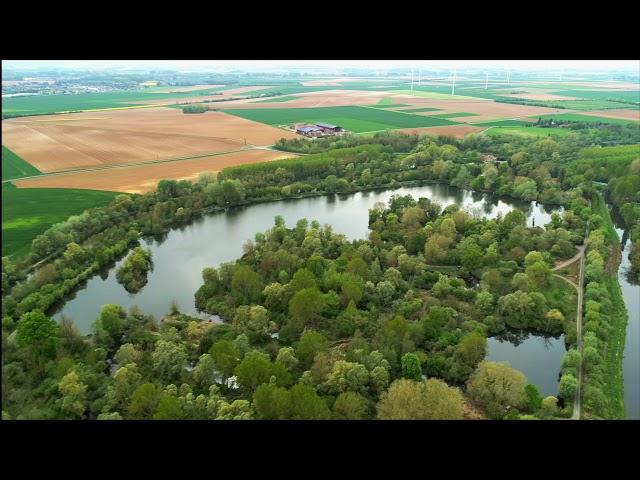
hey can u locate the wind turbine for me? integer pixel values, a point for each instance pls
(411, 80)
(508, 76)
(419, 77)
(561, 72)
(453, 83)
(486, 80)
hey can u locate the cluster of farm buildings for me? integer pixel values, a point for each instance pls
(318, 130)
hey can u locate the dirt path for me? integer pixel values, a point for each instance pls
(580, 289)
(564, 263)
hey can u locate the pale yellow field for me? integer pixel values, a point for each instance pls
(144, 178)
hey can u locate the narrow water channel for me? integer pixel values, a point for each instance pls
(631, 362)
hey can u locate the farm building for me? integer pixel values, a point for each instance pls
(328, 128)
(318, 130)
(309, 130)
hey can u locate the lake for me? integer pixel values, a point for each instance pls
(218, 237)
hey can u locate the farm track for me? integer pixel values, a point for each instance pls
(580, 290)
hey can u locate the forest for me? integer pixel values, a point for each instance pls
(315, 327)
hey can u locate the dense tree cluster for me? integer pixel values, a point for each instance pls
(393, 326)
(133, 272)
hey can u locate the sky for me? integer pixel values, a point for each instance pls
(301, 65)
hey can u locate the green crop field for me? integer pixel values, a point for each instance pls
(28, 212)
(15, 167)
(435, 95)
(355, 119)
(286, 98)
(41, 104)
(385, 101)
(632, 96)
(576, 117)
(581, 104)
(503, 123)
(391, 105)
(426, 109)
(454, 115)
(527, 131)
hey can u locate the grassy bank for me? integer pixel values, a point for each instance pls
(614, 351)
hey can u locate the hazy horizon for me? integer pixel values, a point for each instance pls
(329, 66)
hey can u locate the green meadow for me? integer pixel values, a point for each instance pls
(28, 212)
(15, 167)
(577, 117)
(355, 119)
(527, 131)
(454, 115)
(503, 123)
(286, 98)
(425, 109)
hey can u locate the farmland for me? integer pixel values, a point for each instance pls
(355, 119)
(144, 178)
(417, 110)
(528, 131)
(576, 117)
(15, 167)
(286, 98)
(503, 123)
(454, 115)
(62, 142)
(28, 212)
(38, 105)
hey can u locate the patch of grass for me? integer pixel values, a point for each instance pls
(28, 212)
(564, 297)
(503, 123)
(355, 119)
(386, 101)
(578, 117)
(15, 167)
(286, 98)
(570, 272)
(528, 131)
(454, 115)
(587, 104)
(425, 109)
(632, 96)
(436, 95)
(391, 105)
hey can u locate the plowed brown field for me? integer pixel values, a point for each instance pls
(61, 142)
(481, 107)
(144, 178)
(622, 113)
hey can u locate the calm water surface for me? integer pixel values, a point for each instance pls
(631, 362)
(537, 356)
